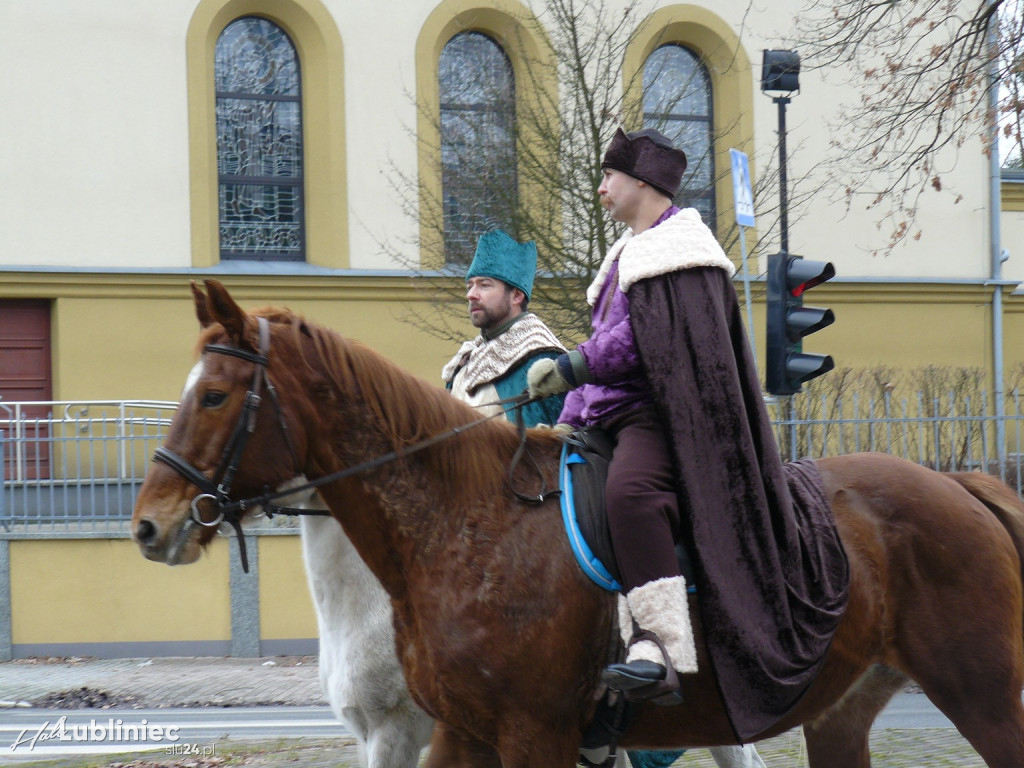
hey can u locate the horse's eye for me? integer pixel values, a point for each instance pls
(213, 399)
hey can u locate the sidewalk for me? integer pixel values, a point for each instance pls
(161, 682)
(68, 683)
(88, 683)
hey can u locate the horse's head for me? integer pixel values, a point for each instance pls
(230, 439)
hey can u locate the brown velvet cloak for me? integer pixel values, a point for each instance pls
(772, 577)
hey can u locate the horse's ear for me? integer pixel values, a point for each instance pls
(202, 310)
(223, 309)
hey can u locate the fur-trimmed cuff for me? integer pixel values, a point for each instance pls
(660, 606)
(625, 621)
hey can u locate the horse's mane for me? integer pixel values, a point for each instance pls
(473, 465)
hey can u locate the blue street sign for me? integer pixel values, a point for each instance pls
(742, 195)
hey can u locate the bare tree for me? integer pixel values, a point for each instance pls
(1011, 61)
(924, 71)
(569, 102)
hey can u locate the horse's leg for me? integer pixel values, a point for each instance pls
(975, 680)
(994, 727)
(540, 745)
(395, 737)
(359, 670)
(838, 738)
(990, 718)
(737, 757)
(449, 749)
(960, 636)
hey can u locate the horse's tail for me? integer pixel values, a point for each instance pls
(1001, 500)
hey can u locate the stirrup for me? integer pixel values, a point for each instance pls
(626, 676)
(664, 692)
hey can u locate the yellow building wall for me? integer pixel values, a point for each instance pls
(897, 325)
(1013, 340)
(133, 337)
(104, 591)
(905, 326)
(286, 607)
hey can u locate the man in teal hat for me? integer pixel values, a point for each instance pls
(493, 366)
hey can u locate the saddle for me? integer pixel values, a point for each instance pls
(583, 471)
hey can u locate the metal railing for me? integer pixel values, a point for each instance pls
(949, 433)
(77, 466)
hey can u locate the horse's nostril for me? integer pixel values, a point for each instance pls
(145, 532)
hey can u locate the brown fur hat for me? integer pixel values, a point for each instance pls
(649, 156)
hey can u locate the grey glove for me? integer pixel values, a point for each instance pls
(544, 379)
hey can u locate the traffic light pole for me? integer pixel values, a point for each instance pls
(788, 277)
(776, 321)
(782, 101)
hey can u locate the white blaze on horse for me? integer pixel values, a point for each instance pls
(500, 636)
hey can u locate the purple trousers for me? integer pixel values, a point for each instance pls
(643, 509)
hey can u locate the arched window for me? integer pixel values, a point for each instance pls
(259, 143)
(478, 144)
(677, 102)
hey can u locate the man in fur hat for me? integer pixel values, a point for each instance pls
(493, 366)
(668, 373)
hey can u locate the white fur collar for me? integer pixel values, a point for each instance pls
(682, 241)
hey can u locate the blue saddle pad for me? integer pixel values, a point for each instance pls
(582, 474)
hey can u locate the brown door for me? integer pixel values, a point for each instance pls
(25, 375)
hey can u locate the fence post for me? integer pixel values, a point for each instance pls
(3, 480)
(245, 600)
(6, 629)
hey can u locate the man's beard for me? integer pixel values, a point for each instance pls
(488, 318)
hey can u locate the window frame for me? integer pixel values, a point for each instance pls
(494, 113)
(705, 32)
(521, 36)
(296, 182)
(663, 121)
(315, 34)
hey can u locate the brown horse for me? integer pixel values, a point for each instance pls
(500, 635)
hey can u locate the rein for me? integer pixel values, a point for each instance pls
(217, 489)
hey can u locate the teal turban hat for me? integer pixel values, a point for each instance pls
(498, 255)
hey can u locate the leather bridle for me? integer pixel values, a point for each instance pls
(216, 490)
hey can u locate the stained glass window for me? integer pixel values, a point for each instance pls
(478, 145)
(677, 102)
(259, 143)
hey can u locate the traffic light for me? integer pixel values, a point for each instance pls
(787, 367)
